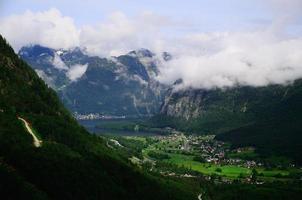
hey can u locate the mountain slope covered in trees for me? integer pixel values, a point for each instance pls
(71, 163)
(268, 118)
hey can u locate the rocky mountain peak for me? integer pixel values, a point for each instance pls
(123, 85)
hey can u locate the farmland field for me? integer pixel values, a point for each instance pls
(204, 155)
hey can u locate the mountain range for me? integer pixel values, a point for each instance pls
(268, 118)
(124, 85)
(69, 162)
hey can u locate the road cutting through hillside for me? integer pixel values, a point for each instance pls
(36, 142)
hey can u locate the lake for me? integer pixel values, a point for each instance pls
(95, 127)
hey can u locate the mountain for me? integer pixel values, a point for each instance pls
(268, 118)
(71, 163)
(124, 85)
(127, 85)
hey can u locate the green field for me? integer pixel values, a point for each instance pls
(230, 171)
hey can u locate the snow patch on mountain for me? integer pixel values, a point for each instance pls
(59, 52)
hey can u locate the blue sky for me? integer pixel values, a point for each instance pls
(207, 15)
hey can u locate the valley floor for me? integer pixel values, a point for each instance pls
(188, 155)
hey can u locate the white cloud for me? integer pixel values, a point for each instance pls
(228, 59)
(76, 71)
(47, 28)
(225, 59)
(46, 78)
(203, 60)
(111, 37)
(58, 63)
(120, 34)
(116, 35)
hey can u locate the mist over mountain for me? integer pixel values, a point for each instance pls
(123, 85)
(151, 99)
(261, 53)
(69, 163)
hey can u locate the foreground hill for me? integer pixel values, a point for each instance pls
(268, 118)
(71, 163)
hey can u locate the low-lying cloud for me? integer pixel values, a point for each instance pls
(230, 59)
(271, 55)
(268, 55)
(116, 35)
(58, 63)
(76, 71)
(48, 28)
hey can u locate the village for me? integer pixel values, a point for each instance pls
(183, 155)
(207, 148)
(95, 116)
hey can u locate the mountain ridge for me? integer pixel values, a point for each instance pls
(132, 76)
(71, 163)
(236, 115)
(105, 87)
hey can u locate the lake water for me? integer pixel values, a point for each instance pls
(91, 126)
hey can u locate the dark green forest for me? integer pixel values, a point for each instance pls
(71, 164)
(268, 118)
(74, 164)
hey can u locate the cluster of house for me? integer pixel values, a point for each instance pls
(93, 116)
(211, 150)
(214, 151)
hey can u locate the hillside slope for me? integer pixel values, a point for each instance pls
(71, 163)
(268, 118)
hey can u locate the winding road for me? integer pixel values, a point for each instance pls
(36, 142)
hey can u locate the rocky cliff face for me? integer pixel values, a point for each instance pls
(231, 108)
(123, 85)
(187, 104)
(268, 118)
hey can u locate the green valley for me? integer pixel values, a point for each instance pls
(205, 155)
(212, 164)
(71, 163)
(151, 100)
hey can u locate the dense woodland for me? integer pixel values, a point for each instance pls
(268, 118)
(73, 164)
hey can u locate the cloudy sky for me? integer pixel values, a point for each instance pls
(214, 43)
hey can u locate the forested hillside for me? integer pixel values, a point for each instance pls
(71, 163)
(268, 118)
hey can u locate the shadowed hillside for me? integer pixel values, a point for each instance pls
(71, 163)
